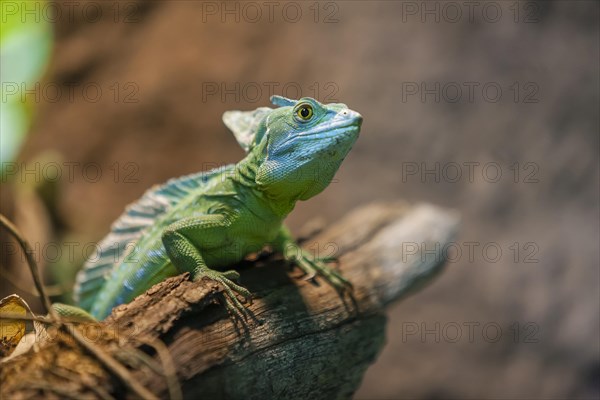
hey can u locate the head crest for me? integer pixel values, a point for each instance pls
(281, 101)
(245, 125)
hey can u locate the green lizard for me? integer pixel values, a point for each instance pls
(203, 222)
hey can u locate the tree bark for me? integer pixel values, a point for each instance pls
(304, 340)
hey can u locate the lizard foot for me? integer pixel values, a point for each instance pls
(313, 267)
(232, 289)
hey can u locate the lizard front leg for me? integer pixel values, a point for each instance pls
(310, 265)
(181, 240)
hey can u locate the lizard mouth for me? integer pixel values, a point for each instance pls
(344, 128)
(344, 133)
(339, 129)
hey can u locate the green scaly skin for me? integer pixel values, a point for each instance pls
(293, 153)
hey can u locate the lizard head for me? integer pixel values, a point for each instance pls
(299, 146)
(305, 142)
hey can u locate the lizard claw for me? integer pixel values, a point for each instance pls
(309, 276)
(231, 290)
(313, 267)
(231, 275)
(328, 260)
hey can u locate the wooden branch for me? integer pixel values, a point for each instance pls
(306, 340)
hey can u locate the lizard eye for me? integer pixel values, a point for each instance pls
(305, 112)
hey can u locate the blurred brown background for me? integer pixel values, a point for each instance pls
(150, 81)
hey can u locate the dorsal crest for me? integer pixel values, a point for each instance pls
(130, 226)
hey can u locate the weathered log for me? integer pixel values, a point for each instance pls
(304, 340)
